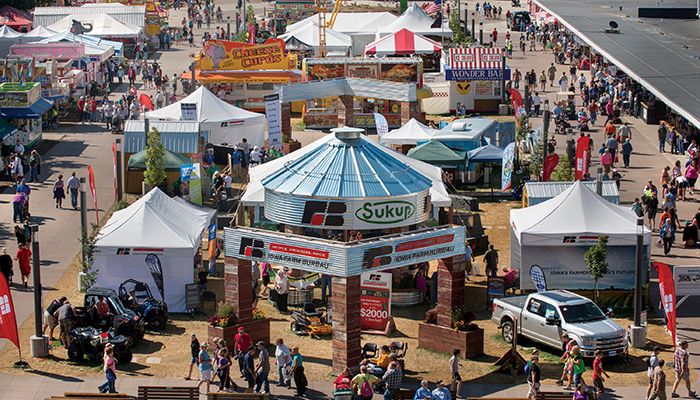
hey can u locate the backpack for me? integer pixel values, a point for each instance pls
(366, 389)
(527, 368)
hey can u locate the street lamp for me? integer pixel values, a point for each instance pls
(228, 27)
(638, 331)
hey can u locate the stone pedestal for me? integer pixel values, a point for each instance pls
(450, 288)
(410, 109)
(346, 323)
(286, 116)
(346, 112)
(238, 288)
(444, 340)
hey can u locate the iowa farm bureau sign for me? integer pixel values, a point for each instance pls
(347, 214)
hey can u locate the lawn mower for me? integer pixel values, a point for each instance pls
(91, 342)
(309, 321)
(154, 312)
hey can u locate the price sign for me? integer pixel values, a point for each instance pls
(375, 301)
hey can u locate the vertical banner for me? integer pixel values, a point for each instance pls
(188, 111)
(507, 170)
(91, 179)
(114, 165)
(8, 321)
(212, 240)
(517, 101)
(667, 290)
(381, 124)
(195, 184)
(375, 300)
(550, 162)
(582, 156)
(273, 113)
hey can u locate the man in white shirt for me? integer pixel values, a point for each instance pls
(282, 288)
(19, 148)
(536, 102)
(228, 179)
(73, 185)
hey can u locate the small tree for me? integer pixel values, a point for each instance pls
(563, 170)
(87, 243)
(596, 260)
(155, 160)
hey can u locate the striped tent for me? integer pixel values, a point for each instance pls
(402, 43)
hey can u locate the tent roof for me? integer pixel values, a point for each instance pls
(155, 221)
(463, 129)
(434, 152)
(352, 23)
(576, 210)
(488, 153)
(411, 133)
(173, 161)
(308, 34)
(209, 109)
(11, 16)
(39, 32)
(93, 44)
(404, 42)
(255, 193)
(415, 19)
(102, 25)
(8, 33)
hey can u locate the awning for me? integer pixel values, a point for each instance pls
(6, 128)
(245, 76)
(36, 110)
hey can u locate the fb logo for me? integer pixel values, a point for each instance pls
(378, 256)
(123, 252)
(251, 247)
(569, 239)
(324, 213)
(5, 305)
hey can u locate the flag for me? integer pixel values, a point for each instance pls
(667, 290)
(517, 101)
(91, 178)
(146, 101)
(8, 321)
(550, 162)
(582, 156)
(114, 165)
(507, 170)
(381, 124)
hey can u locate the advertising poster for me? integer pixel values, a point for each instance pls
(667, 292)
(196, 184)
(375, 300)
(226, 55)
(582, 156)
(274, 121)
(687, 280)
(188, 111)
(320, 72)
(507, 170)
(399, 72)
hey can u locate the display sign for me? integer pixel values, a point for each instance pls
(375, 301)
(188, 111)
(226, 55)
(313, 120)
(273, 113)
(195, 184)
(14, 94)
(320, 72)
(367, 71)
(495, 288)
(340, 258)
(347, 214)
(475, 58)
(387, 69)
(507, 170)
(667, 293)
(495, 74)
(368, 120)
(687, 280)
(49, 50)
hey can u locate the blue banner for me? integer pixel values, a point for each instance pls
(212, 231)
(475, 74)
(185, 173)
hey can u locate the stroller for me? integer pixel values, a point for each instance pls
(583, 123)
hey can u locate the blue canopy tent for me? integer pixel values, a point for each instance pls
(486, 154)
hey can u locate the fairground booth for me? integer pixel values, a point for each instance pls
(21, 104)
(346, 207)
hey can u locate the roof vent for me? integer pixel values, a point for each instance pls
(347, 133)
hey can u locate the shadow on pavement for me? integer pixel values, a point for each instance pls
(59, 377)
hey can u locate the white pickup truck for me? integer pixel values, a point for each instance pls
(543, 317)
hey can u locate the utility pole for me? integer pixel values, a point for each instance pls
(39, 342)
(118, 169)
(639, 332)
(503, 77)
(473, 26)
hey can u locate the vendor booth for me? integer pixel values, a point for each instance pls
(538, 192)
(409, 134)
(407, 43)
(102, 25)
(23, 106)
(154, 240)
(136, 166)
(18, 20)
(336, 42)
(418, 21)
(453, 162)
(8, 37)
(468, 133)
(37, 33)
(221, 123)
(555, 235)
(482, 163)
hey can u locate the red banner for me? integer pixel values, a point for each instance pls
(8, 322)
(91, 178)
(550, 162)
(667, 289)
(114, 165)
(146, 102)
(375, 301)
(582, 156)
(517, 100)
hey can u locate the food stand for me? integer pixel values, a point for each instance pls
(22, 105)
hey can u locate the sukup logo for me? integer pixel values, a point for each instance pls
(324, 213)
(385, 212)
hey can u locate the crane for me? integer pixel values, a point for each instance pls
(323, 24)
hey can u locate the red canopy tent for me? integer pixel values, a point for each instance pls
(18, 20)
(402, 43)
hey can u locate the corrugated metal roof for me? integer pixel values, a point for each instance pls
(134, 15)
(162, 126)
(368, 88)
(176, 136)
(347, 168)
(549, 190)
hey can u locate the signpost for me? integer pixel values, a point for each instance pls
(273, 113)
(375, 301)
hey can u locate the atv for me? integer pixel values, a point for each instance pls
(122, 320)
(137, 296)
(309, 321)
(91, 342)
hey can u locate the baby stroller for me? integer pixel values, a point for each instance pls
(583, 123)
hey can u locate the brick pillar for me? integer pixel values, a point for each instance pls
(346, 323)
(238, 287)
(410, 109)
(286, 116)
(346, 112)
(450, 288)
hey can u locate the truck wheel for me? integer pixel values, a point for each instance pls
(125, 357)
(158, 322)
(508, 331)
(75, 352)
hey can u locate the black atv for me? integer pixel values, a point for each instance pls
(122, 320)
(91, 342)
(137, 296)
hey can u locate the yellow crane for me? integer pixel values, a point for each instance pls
(323, 24)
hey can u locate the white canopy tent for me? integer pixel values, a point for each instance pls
(103, 25)
(221, 123)
(8, 37)
(154, 240)
(255, 193)
(309, 33)
(417, 21)
(556, 233)
(411, 133)
(37, 33)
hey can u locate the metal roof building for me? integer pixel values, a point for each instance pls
(538, 192)
(133, 15)
(662, 54)
(176, 136)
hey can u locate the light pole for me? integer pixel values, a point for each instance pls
(228, 27)
(639, 332)
(39, 342)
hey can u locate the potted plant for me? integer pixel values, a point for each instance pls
(223, 323)
(289, 144)
(463, 334)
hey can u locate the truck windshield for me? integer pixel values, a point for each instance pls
(585, 312)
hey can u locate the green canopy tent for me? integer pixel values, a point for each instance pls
(439, 155)
(173, 161)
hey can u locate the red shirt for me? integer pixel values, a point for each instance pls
(597, 368)
(342, 382)
(24, 255)
(243, 341)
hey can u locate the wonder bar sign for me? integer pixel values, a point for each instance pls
(347, 214)
(343, 259)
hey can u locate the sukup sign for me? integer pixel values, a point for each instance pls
(385, 212)
(225, 55)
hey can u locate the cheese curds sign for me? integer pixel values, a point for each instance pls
(236, 56)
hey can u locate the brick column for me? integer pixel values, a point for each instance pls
(346, 323)
(450, 288)
(238, 287)
(346, 113)
(410, 109)
(286, 116)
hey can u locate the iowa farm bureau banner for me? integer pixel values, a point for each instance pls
(341, 259)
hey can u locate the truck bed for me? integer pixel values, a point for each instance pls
(517, 301)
